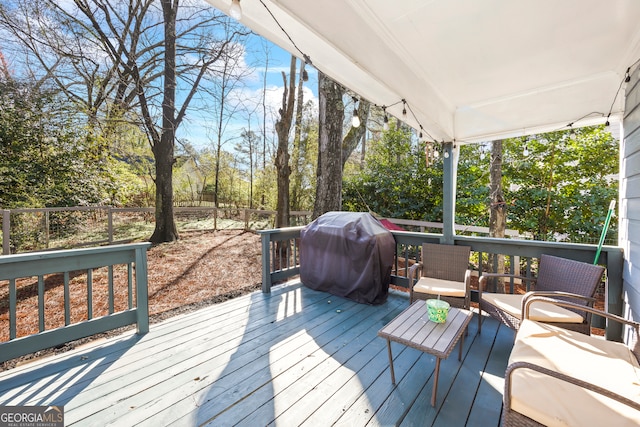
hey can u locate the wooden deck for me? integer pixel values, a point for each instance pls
(295, 357)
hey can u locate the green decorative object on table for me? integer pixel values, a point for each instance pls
(437, 310)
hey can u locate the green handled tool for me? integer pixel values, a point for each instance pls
(612, 206)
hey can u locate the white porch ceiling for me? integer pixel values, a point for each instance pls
(469, 70)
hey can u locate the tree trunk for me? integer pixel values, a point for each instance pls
(166, 230)
(264, 120)
(299, 145)
(283, 126)
(329, 171)
(498, 208)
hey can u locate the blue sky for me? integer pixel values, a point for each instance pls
(197, 128)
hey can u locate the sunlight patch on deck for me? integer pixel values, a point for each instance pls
(290, 305)
(493, 380)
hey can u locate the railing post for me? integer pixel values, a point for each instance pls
(266, 263)
(613, 297)
(142, 292)
(449, 193)
(6, 231)
(46, 229)
(110, 224)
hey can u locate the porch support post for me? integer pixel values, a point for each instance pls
(265, 238)
(449, 193)
(614, 295)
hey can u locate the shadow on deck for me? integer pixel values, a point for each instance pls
(294, 357)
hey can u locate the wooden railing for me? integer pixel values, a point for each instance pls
(280, 260)
(88, 272)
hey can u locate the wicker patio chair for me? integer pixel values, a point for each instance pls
(559, 278)
(444, 272)
(564, 376)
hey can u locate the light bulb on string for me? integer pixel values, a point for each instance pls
(385, 119)
(305, 76)
(404, 109)
(235, 11)
(355, 121)
(525, 152)
(572, 134)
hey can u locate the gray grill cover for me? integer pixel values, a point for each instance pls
(348, 254)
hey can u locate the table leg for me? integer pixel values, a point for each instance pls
(460, 350)
(435, 383)
(393, 376)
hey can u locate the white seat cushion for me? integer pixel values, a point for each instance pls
(553, 402)
(448, 288)
(540, 311)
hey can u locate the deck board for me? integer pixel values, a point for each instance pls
(294, 357)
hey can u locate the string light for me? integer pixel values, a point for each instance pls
(307, 61)
(235, 11)
(355, 121)
(525, 152)
(385, 119)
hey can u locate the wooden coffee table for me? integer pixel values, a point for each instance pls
(413, 328)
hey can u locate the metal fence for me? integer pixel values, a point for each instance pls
(26, 230)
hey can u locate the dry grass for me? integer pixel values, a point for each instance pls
(201, 268)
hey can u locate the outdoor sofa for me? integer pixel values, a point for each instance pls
(561, 377)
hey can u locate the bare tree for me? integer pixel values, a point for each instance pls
(283, 127)
(247, 147)
(229, 75)
(329, 170)
(118, 57)
(299, 144)
(267, 52)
